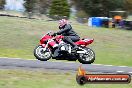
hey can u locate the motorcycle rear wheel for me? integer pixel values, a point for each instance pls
(87, 58)
(42, 55)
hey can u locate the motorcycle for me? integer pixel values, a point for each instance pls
(54, 47)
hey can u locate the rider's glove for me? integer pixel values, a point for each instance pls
(54, 34)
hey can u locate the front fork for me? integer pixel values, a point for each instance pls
(45, 46)
(50, 42)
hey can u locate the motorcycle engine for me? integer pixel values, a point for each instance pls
(66, 47)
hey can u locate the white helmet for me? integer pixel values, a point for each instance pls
(63, 22)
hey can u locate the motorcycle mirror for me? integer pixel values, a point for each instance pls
(49, 32)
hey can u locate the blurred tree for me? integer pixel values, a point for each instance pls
(99, 7)
(60, 8)
(29, 5)
(42, 6)
(2, 3)
(81, 14)
(128, 5)
(38, 6)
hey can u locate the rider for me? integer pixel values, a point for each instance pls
(70, 36)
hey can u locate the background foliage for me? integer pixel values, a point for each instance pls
(2, 3)
(99, 7)
(60, 7)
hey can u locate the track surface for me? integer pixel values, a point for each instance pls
(65, 66)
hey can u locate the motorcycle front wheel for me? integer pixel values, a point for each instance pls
(87, 58)
(41, 54)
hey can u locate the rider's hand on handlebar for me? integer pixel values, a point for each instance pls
(54, 34)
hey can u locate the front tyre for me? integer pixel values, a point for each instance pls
(88, 57)
(41, 54)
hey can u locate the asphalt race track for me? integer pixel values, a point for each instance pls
(64, 66)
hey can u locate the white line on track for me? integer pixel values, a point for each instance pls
(130, 72)
(17, 58)
(96, 64)
(120, 71)
(9, 58)
(70, 62)
(108, 65)
(122, 66)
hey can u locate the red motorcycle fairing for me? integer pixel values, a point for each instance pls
(52, 43)
(43, 45)
(45, 38)
(59, 38)
(84, 42)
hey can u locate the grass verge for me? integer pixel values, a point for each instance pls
(46, 79)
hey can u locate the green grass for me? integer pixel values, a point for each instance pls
(18, 38)
(46, 79)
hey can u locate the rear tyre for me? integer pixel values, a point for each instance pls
(87, 58)
(42, 55)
